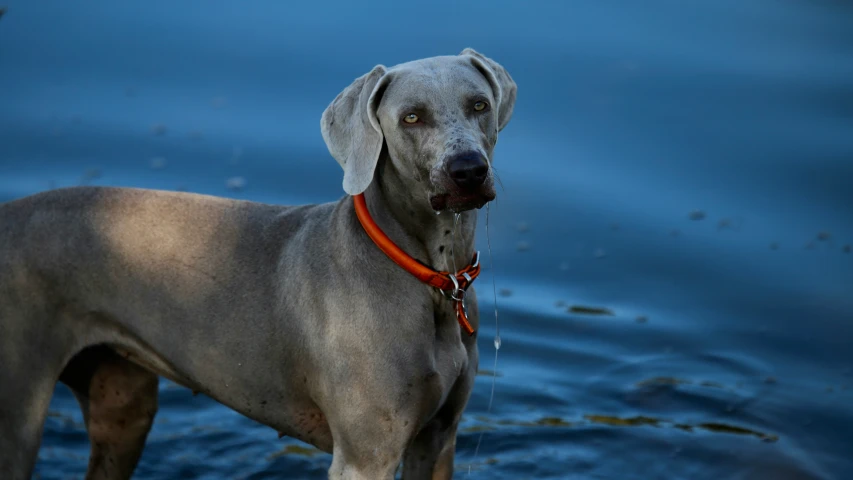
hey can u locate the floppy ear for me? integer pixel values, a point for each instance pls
(502, 84)
(352, 131)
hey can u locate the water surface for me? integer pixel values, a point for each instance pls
(687, 168)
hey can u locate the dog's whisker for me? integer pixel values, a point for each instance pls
(497, 177)
(493, 173)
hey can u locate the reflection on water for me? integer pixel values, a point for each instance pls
(672, 239)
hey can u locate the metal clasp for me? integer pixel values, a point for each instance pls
(457, 294)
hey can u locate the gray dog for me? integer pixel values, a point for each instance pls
(292, 316)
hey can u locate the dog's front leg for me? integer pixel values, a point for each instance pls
(373, 448)
(373, 416)
(430, 456)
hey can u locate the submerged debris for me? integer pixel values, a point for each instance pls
(661, 381)
(552, 422)
(730, 224)
(478, 429)
(583, 310)
(295, 450)
(723, 428)
(542, 422)
(159, 129)
(655, 382)
(711, 426)
(488, 424)
(622, 422)
(696, 215)
(89, 175)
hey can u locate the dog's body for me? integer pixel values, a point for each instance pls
(289, 315)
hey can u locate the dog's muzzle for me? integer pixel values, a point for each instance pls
(469, 187)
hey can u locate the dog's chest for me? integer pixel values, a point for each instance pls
(451, 354)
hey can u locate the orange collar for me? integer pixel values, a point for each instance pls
(453, 286)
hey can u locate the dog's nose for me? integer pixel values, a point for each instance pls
(468, 170)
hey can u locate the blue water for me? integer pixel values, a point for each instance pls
(686, 165)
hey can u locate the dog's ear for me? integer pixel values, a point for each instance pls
(502, 84)
(351, 129)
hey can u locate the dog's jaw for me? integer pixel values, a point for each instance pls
(458, 203)
(447, 196)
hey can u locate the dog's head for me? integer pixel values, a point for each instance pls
(439, 119)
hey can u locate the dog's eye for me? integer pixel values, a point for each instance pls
(480, 106)
(411, 118)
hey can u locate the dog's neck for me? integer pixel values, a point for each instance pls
(414, 227)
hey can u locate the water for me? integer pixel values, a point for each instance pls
(642, 340)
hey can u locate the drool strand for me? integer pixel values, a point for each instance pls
(456, 217)
(497, 336)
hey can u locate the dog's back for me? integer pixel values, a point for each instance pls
(125, 224)
(111, 267)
